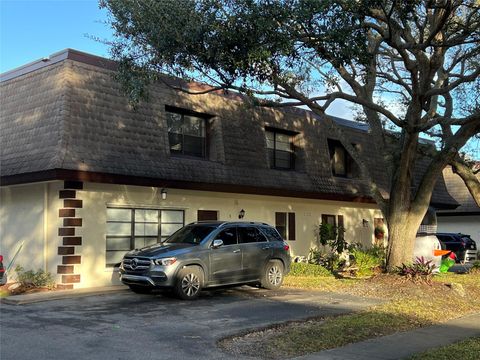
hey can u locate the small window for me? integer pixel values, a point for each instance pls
(186, 133)
(250, 235)
(280, 149)
(228, 236)
(329, 219)
(285, 225)
(342, 163)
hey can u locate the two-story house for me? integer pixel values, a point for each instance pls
(86, 178)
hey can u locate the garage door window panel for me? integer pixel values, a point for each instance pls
(130, 228)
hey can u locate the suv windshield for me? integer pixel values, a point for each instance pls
(192, 234)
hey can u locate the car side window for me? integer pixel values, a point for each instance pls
(272, 234)
(228, 236)
(250, 235)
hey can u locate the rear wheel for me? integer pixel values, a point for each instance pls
(189, 283)
(273, 275)
(140, 289)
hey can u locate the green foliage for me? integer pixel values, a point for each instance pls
(420, 270)
(330, 261)
(304, 269)
(35, 279)
(333, 236)
(476, 265)
(366, 261)
(235, 40)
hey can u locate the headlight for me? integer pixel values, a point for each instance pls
(165, 261)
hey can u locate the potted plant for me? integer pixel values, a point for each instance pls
(379, 232)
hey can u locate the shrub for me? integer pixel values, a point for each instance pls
(475, 267)
(330, 261)
(366, 261)
(34, 279)
(303, 269)
(420, 270)
(333, 236)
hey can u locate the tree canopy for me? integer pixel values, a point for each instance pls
(410, 68)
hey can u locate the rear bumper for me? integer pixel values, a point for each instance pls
(470, 256)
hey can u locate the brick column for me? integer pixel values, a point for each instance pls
(70, 241)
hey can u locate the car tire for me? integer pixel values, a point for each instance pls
(189, 283)
(272, 277)
(140, 289)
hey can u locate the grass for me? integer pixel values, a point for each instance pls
(4, 293)
(407, 306)
(464, 350)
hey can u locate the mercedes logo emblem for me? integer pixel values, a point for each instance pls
(134, 264)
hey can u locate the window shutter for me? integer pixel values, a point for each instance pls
(340, 220)
(291, 226)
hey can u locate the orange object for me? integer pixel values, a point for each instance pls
(440, 252)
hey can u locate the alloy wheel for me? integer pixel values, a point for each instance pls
(190, 284)
(275, 275)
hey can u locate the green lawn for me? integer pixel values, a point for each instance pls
(407, 306)
(463, 350)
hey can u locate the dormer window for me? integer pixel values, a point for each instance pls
(341, 161)
(186, 132)
(281, 153)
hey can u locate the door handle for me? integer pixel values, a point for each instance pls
(266, 248)
(236, 251)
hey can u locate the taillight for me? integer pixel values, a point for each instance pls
(286, 247)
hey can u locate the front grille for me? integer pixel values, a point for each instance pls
(136, 264)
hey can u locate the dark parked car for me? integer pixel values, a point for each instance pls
(462, 245)
(3, 274)
(208, 254)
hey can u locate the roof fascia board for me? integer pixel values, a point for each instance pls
(105, 178)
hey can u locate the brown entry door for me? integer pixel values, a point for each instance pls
(205, 215)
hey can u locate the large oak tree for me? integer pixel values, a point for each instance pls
(410, 68)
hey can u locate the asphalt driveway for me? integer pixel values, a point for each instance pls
(131, 326)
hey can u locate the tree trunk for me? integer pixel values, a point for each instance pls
(401, 241)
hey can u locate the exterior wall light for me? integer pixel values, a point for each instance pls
(241, 214)
(164, 194)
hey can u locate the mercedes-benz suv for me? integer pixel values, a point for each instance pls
(207, 254)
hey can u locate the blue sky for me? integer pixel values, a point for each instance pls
(32, 29)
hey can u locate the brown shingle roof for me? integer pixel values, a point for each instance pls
(457, 189)
(70, 114)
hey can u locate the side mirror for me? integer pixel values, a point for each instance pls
(217, 243)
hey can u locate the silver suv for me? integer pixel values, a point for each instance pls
(208, 254)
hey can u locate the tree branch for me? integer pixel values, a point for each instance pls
(471, 181)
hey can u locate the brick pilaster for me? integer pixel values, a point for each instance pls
(69, 248)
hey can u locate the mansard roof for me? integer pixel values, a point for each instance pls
(65, 118)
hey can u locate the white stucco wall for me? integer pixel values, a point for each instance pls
(96, 197)
(465, 224)
(23, 221)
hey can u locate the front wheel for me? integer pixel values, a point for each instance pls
(273, 275)
(189, 283)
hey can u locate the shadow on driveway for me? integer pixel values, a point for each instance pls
(132, 326)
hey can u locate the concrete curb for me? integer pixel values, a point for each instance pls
(405, 344)
(61, 294)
